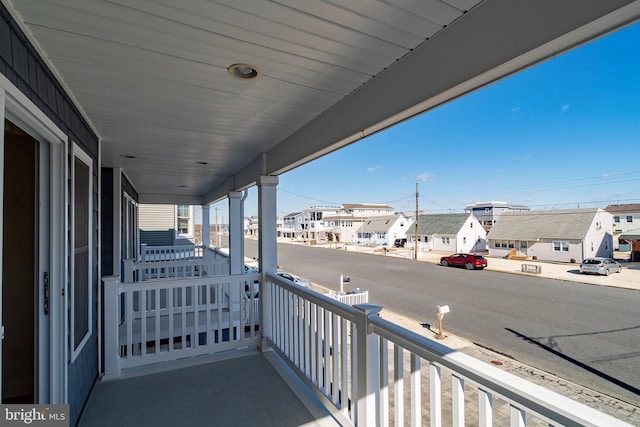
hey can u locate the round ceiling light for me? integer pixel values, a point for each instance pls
(244, 71)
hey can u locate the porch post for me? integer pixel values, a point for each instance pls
(368, 362)
(206, 228)
(236, 237)
(268, 249)
(111, 322)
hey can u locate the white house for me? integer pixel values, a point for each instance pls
(291, 225)
(383, 229)
(564, 235)
(457, 232)
(626, 217)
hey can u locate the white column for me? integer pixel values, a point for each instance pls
(111, 321)
(267, 248)
(368, 353)
(206, 228)
(236, 233)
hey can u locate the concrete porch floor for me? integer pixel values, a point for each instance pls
(237, 388)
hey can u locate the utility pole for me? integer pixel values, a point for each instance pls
(415, 244)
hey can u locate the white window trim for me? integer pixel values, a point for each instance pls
(190, 234)
(85, 158)
(562, 243)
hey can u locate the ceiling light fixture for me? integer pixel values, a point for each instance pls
(127, 156)
(244, 71)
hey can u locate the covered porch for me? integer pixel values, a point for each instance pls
(293, 357)
(154, 102)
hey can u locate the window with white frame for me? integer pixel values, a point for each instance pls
(616, 219)
(560, 246)
(445, 240)
(81, 274)
(629, 218)
(184, 220)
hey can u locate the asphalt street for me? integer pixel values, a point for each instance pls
(586, 334)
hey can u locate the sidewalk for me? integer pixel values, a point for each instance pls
(629, 278)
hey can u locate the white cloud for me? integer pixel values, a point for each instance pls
(514, 109)
(374, 169)
(565, 108)
(424, 177)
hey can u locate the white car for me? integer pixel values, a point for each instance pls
(297, 280)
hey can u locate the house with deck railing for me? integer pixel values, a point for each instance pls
(108, 106)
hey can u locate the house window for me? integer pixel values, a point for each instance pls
(487, 210)
(560, 246)
(629, 218)
(445, 240)
(464, 240)
(593, 248)
(616, 219)
(184, 225)
(82, 185)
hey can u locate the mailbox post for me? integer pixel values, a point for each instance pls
(440, 312)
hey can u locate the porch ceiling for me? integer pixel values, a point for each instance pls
(151, 75)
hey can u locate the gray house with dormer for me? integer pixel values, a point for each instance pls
(563, 235)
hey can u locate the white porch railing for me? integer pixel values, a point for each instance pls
(357, 361)
(170, 253)
(185, 268)
(161, 320)
(350, 298)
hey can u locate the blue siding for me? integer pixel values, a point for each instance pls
(22, 66)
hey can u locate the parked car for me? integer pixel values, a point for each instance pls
(400, 243)
(469, 261)
(599, 265)
(297, 280)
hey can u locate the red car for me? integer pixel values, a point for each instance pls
(469, 261)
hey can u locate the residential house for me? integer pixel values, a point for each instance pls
(253, 225)
(489, 212)
(291, 225)
(366, 209)
(105, 108)
(313, 225)
(626, 217)
(166, 225)
(343, 222)
(455, 232)
(381, 230)
(564, 235)
(343, 228)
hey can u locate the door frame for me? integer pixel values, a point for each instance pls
(51, 365)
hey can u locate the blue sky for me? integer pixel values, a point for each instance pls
(563, 134)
